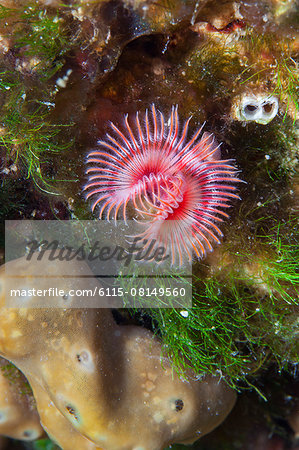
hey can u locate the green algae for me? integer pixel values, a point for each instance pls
(27, 133)
(244, 311)
(37, 33)
(44, 444)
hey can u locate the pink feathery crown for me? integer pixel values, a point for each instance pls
(178, 188)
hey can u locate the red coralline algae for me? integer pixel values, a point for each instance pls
(178, 188)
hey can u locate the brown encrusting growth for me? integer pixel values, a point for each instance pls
(109, 382)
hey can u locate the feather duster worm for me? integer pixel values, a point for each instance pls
(179, 188)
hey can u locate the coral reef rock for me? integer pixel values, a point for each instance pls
(108, 383)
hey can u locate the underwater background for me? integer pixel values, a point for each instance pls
(69, 69)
